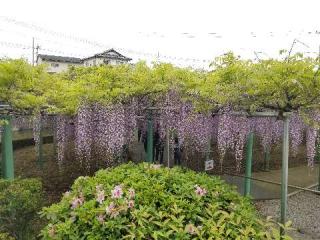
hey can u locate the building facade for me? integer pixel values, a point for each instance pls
(57, 64)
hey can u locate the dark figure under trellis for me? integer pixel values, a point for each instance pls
(177, 151)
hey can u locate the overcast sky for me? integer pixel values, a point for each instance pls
(185, 32)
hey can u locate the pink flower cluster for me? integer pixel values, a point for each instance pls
(114, 208)
(200, 191)
(117, 192)
(100, 195)
(77, 201)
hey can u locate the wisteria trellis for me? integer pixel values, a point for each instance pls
(105, 130)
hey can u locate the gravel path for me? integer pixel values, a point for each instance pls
(303, 211)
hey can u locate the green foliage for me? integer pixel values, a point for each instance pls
(21, 85)
(290, 83)
(5, 236)
(20, 200)
(166, 206)
(283, 85)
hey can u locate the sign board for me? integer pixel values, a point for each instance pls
(209, 165)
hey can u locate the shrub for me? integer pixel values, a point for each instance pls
(151, 202)
(5, 236)
(20, 200)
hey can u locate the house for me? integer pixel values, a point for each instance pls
(57, 64)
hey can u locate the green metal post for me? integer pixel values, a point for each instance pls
(7, 150)
(167, 147)
(150, 139)
(248, 173)
(208, 149)
(284, 175)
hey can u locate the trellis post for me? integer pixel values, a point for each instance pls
(168, 146)
(284, 174)
(7, 150)
(150, 139)
(248, 170)
(208, 149)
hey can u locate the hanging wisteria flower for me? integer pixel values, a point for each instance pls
(200, 191)
(117, 192)
(77, 201)
(131, 204)
(131, 193)
(100, 196)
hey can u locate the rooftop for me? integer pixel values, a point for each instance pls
(110, 54)
(59, 58)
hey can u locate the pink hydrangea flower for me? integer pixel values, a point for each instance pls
(131, 204)
(131, 193)
(117, 192)
(100, 196)
(200, 191)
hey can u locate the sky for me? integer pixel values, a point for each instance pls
(184, 32)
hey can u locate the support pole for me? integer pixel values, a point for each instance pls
(150, 139)
(7, 150)
(284, 175)
(208, 149)
(168, 146)
(248, 173)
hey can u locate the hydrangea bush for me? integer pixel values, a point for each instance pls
(152, 202)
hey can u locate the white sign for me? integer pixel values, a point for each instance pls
(209, 165)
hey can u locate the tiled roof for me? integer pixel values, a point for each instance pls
(59, 58)
(110, 54)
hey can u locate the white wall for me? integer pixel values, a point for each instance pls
(98, 61)
(57, 67)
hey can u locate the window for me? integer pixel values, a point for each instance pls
(54, 65)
